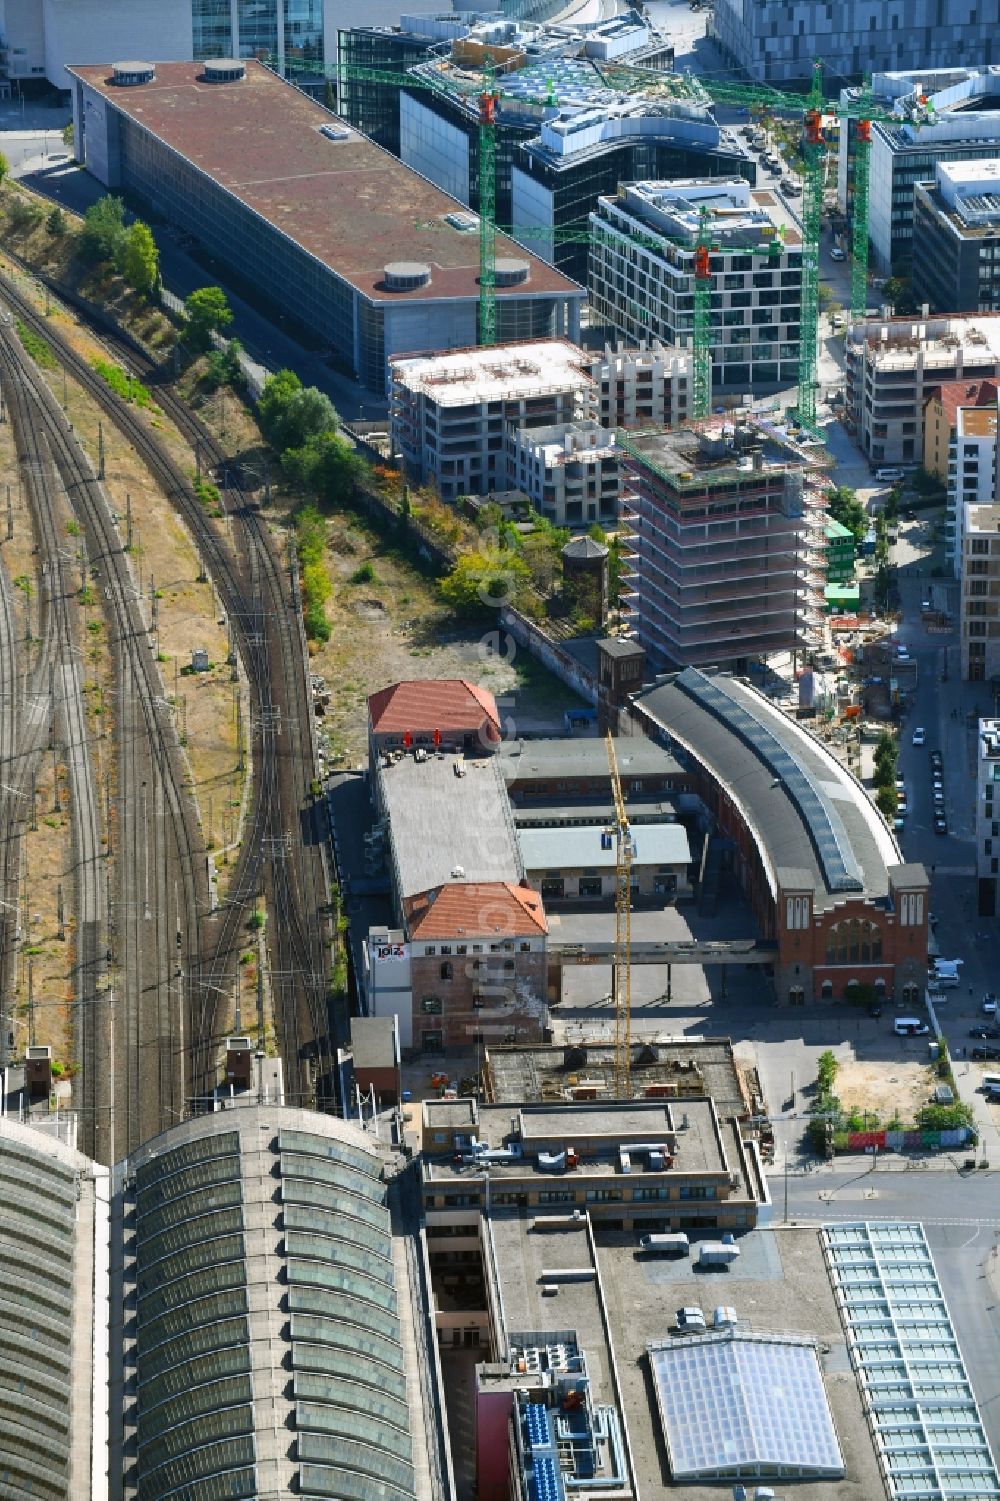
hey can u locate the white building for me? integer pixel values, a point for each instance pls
(641, 276)
(940, 115)
(569, 472)
(988, 816)
(892, 365)
(972, 469)
(450, 412)
(645, 386)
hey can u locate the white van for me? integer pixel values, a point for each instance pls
(890, 476)
(944, 975)
(910, 1026)
(990, 1084)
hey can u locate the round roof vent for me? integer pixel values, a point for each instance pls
(224, 69)
(406, 276)
(126, 75)
(511, 272)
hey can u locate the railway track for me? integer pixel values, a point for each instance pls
(145, 1033)
(280, 854)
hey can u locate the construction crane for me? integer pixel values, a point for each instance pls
(621, 975)
(812, 111)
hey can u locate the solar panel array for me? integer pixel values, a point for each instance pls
(928, 1431)
(740, 1405)
(841, 870)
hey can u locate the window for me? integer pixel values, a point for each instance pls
(854, 941)
(446, 948)
(446, 970)
(431, 1005)
(697, 1191)
(430, 951)
(525, 948)
(603, 1195)
(911, 909)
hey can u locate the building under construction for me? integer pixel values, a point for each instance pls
(727, 535)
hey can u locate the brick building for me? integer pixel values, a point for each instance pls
(812, 855)
(448, 714)
(478, 963)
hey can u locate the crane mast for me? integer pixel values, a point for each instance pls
(621, 982)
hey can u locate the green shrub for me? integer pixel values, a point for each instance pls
(35, 345)
(363, 575)
(124, 385)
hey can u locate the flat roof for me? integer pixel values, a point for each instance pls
(789, 823)
(778, 1286)
(347, 202)
(584, 757)
(522, 1075)
(978, 422)
(505, 372)
(440, 823)
(576, 846)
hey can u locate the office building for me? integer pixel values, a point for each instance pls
(359, 251)
(726, 539)
(778, 43)
(42, 38)
(893, 364)
(451, 413)
(564, 137)
(642, 268)
(805, 845)
(941, 414)
(938, 114)
(956, 221)
(236, 1310)
(988, 817)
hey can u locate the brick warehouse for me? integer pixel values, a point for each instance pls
(807, 848)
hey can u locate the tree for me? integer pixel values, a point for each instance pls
(104, 233)
(845, 507)
(4, 167)
(274, 398)
(307, 414)
(826, 1071)
(326, 467)
(68, 136)
(886, 800)
(208, 312)
(56, 223)
(329, 99)
(484, 579)
(141, 259)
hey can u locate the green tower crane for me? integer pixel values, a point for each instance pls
(487, 208)
(812, 218)
(859, 224)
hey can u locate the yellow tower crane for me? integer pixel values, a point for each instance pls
(621, 980)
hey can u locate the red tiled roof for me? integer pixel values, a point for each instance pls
(443, 704)
(963, 393)
(476, 910)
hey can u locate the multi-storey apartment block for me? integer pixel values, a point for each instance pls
(727, 544)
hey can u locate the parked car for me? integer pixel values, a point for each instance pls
(836, 254)
(919, 736)
(875, 1009)
(937, 761)
(985, 1055)
(984, 1034)
(990, 1003)
(940, 824)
